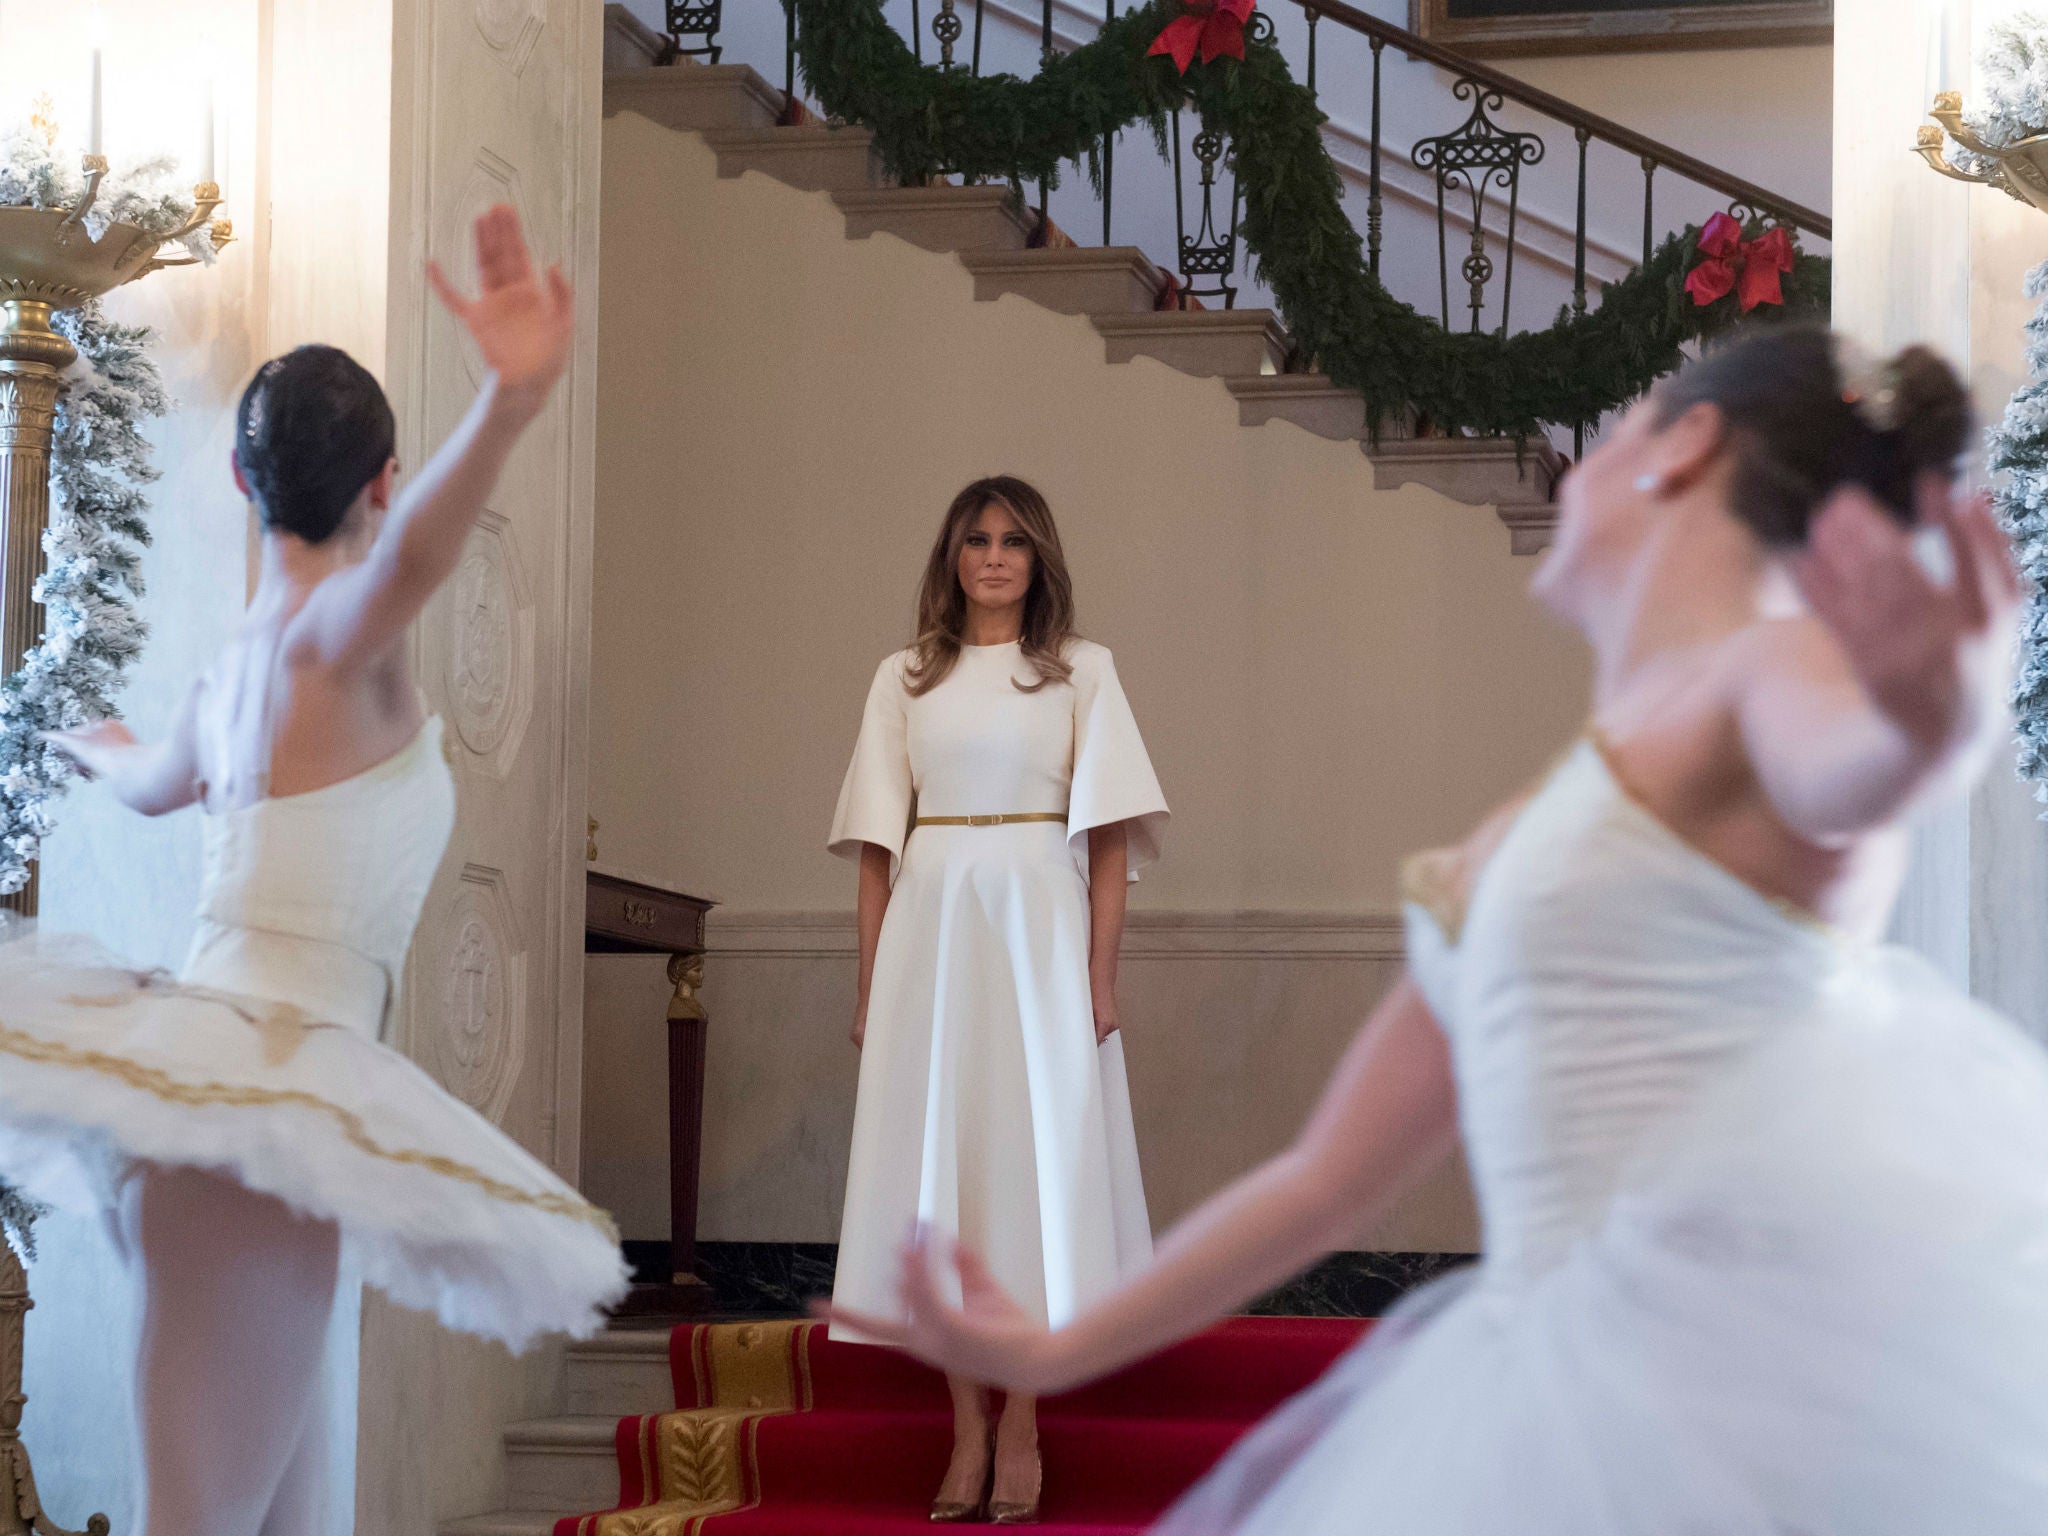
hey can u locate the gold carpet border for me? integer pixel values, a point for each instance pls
(705, 1462)
(160, 1084)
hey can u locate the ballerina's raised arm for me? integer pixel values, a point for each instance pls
(353, 621)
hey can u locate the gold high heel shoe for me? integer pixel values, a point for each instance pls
(1014, 1511)
(952, 1512)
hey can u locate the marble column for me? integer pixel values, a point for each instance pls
(452, 106)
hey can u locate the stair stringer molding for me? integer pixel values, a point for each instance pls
(735, 109)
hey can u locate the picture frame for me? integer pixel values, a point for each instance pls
(1525, 28)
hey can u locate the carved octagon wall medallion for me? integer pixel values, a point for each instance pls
(480, 1044)
(489, 645)
(511, 28)
(491, 180)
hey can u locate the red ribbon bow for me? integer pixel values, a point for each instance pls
(1730, 262)
(1215, 27)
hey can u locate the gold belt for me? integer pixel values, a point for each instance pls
(990, 821)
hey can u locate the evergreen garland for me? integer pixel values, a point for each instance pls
(928, 121)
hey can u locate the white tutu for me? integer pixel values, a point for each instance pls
(1817, 1306)
(102, 1067)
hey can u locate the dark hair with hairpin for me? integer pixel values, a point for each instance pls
(1808, 412)
(313, 428)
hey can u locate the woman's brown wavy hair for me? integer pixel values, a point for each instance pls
(942, 605)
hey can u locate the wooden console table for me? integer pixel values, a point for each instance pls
(622, 916)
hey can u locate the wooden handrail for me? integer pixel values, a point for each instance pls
(1746, 192)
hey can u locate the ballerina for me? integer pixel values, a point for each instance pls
(243, 1123)
(1765, 1204)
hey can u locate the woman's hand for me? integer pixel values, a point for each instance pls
(1927, 655)
(1103, 990)
(860, 1024)
(989, 1338)
(94, 750)
(524, 327)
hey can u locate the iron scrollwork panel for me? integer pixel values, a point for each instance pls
(698, 19)
(1211, 250)
(946, 27)
(1477, 158)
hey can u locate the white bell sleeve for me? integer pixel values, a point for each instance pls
(1113, 778)
(875, 799)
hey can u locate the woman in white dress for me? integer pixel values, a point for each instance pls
(242, 1123)
(1765, 1204)
(999, 801)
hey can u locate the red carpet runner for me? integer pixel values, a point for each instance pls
(781, 1432)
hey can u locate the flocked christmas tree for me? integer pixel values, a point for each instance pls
(17, 1221)
(2014, 106)
(2019, 448)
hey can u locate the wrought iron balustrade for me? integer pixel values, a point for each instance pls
(1474, 165)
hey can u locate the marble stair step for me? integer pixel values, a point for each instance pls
(694, 97)
(1518, 480)
(1309, 400)
(813, 158)
(629, 43)
(1208, 343)
(618, 1373)
(938, 218)
(1072, 280)
(563, 1464)
(505, 1522)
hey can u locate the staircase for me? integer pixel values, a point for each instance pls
(1119, 289)
(558, 1466)
(769, 1429)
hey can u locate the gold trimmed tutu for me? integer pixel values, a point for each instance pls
(103, 1066)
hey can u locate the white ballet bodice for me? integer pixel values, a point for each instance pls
(311, 899)
(1602, 973)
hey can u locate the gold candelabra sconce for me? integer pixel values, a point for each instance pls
(2019, 170)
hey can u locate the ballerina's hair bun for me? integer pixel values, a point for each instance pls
(313, 428)
(1808, 412)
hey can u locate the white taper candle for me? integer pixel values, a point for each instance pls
(93, 143)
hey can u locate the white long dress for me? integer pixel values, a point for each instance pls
(1766, 1228)
(262, 1061)
(986, 1109)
